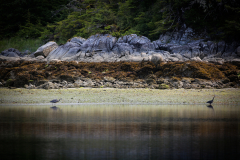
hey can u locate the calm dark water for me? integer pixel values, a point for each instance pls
(119, 132)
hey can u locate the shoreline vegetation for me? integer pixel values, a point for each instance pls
(145, 74)
(78, 96)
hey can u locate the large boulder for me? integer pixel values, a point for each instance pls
(99, 42)
(67, 51)
(157, 58)
(45, 49)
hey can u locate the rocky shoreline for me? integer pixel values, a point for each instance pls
(166, 75)
(180, 59)
(109, 82)
(130, 48)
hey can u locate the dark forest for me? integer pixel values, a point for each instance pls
(64, 19)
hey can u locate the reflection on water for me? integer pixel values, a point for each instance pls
(120, 132)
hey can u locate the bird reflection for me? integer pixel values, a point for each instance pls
(54, 108)
(210, 106)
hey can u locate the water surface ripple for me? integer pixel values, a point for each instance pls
(119, 132)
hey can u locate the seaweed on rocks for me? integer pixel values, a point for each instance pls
(21, 73)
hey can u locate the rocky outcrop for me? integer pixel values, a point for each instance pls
(135, 41)
(65, 52)
(182, 45)
(123, 49)
(109, 82)
(46, 49)
(98, 42)
(78, 40)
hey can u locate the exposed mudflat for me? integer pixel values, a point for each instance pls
(119, 96)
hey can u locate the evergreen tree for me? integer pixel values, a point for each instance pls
(17, 13)
(63, 19)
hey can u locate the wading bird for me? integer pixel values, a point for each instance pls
(55, 100)
(211, 101)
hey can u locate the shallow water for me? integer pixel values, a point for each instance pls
(119, 132)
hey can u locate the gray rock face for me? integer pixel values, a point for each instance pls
(182, 37)
(195, 48)
(71, 54)
(133, 39)
(65, 52)
(138, 43)
(182, 45)
(46, 49)
(78, 40)
(122, 49)
(99, 43)
(148, 47)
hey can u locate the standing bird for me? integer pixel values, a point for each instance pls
(55, 100)
(211, 101)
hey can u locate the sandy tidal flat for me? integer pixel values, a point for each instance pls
(119, 96)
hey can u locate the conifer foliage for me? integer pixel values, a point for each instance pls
(63, 19)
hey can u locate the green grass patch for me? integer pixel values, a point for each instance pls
(21, 44)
